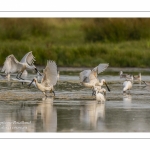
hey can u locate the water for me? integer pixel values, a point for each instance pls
(24, 109)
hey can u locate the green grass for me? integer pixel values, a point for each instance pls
(66, 42)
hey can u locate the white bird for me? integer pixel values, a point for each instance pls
(127, 85)
(49, 78)
(137, 77)
(100, 97)
(88, 78)
(12, 65)
(98, 88)
(122, 75)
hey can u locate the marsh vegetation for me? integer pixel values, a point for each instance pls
(76, 42)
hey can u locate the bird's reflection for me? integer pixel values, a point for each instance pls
(46, 116)
(127, 100)
(93, 115)
(39, 116)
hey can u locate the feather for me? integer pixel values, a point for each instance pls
(28, 58)
(50, 74)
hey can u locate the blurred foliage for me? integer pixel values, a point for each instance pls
(117, 29)
(121, 42)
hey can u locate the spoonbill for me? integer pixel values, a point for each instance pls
(127, 85)
(137, 77)
(12, 65)
(88, 78)
(123, 75)
(98, 88)
(100, 97)
(49, 78)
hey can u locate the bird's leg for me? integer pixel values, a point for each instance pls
(17, 76)
(93, 93)
(53, 92)
(44, 94)
(20, 76)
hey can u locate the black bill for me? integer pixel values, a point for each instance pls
(38, 72)
(107, 87)
(31, 83)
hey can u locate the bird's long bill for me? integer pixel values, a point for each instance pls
(107, 87)
(38, 72)
(31, 83)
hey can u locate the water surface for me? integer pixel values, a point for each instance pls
(74, 109)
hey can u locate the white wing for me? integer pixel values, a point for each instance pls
(100, 68)
(11, 65)
(84, 75)
(50, 74)
(88, 75)
(28, 58)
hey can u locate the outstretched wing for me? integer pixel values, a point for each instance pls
(50, 74)
(28, 58)
(84, 75)
(100, 68)
(11, 65)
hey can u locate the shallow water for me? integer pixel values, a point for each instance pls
(73, 109)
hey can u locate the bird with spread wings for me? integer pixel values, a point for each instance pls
(12, 65)
(89, 78)
(49, 79)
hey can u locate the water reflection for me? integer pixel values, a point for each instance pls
(28, 117)
(46, 116)
(93, 115)
(127, 101)
(121, 113)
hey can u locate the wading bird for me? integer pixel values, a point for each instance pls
(137, 77)
(49, 78)
(100, 89)
(127, 85)
(122, 75)
(88, 78)
(12, 65)
(100, 97)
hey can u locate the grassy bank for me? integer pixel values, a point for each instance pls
(67, 42)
